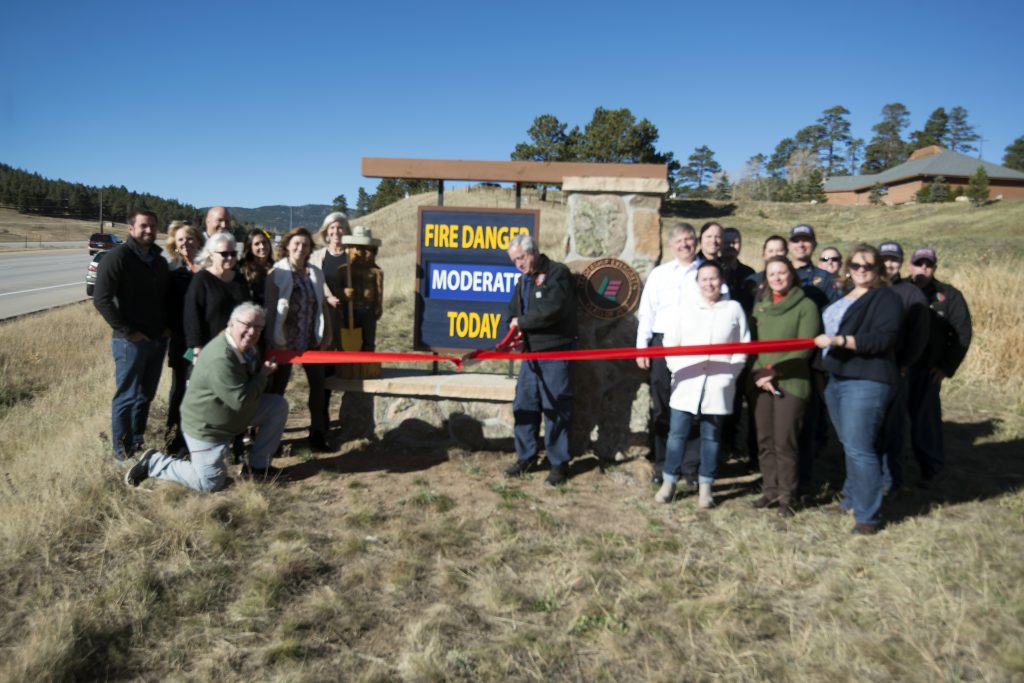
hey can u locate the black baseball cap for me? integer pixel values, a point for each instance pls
(802, 231)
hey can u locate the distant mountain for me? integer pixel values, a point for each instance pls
(276, 217)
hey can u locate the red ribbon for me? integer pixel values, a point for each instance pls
(322, 357)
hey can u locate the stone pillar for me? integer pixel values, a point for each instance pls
(612, 218)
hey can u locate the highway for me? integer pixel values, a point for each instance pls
(41, 279)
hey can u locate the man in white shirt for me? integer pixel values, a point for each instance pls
(662, 296)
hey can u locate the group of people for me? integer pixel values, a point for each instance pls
(883, 346)
(205, 307)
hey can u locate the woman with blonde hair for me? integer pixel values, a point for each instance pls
(296, 297)
(183, 243)
(329, 258)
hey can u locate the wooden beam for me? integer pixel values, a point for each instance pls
(549, 172)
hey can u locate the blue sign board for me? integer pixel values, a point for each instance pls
(464, 279)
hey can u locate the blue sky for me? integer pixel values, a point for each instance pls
(254, 103)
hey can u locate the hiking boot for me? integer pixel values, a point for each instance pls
(520, 468)
(786, 510)
(558, 475)
(139, 472)
(861, 529)
(318, 443)
(763, 502)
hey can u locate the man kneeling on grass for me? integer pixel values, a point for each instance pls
(224, 397)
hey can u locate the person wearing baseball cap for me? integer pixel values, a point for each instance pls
(909, 347)
(802, 243)
(948, 341)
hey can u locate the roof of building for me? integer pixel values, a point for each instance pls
(931, 161)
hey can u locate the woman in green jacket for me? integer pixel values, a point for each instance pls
(780, 383)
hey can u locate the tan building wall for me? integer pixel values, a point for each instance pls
(905, 192)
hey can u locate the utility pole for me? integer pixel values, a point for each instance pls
(289, 218)
(101, 209)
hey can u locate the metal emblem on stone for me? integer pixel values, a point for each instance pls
(609, 288)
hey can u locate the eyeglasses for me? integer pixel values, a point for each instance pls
(831, 259)
(854, 265)
(227, 254)
(251, 326)
(924, 263)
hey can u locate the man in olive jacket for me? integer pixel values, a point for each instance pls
(543, 308)
(225, 396)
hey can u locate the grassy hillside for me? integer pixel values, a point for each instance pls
(17, 227)
(379, 563)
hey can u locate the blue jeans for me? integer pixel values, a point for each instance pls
(205, 469)
(137, 368)
(544, 387)
(857, 408)
(679, 431)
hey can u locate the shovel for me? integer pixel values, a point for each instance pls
(351, 336)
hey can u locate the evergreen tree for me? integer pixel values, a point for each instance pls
(548, 141)
(835, 128)
(814, 187)
(936, 128)
(960, 135)
(362, 202)
(887, 148)
(977, 187)
(877, 194)
(700, 167)
(723, 188)
(854, 154)
(340, 204)
(1014, 157)
(779, 161)
(935, 192)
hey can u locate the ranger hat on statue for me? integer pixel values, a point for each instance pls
(361, 236)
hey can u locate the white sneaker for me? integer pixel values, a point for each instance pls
(704, 500)
(666, 492)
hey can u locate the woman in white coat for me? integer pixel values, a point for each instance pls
(703, 387)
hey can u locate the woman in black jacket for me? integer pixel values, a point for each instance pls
(214, 291)
(183, 242)
(858, 356)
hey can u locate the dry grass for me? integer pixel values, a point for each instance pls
(17, 227)
(380, 565)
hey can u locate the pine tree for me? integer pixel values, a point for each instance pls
(549, 141)
(340, 204)
(960, 135)
(836, 136)
(977, 187)
(854, 154)
(936, 128)
(723, 188)
(887, 148)
(877, 194)
(779, 161)
(362, 202)
(698, 171)
(814, 187)
(1014, 157)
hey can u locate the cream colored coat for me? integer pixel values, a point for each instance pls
(706, 384)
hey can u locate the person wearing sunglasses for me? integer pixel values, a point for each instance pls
(830, 260)
(214, 291)
(859, 359)
(949, 339)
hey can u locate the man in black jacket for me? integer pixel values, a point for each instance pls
(543, 308)
(911, 344)
(130, 294)
(948, 341)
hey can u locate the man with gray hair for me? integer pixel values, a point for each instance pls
(225, 395)
(543, 308)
